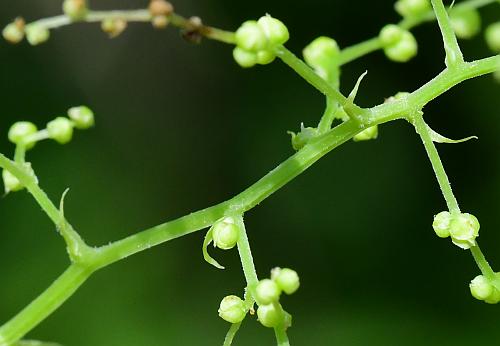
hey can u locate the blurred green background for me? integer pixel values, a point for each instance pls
(181, 127)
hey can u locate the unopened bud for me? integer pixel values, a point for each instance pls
(14, 32)
(113, 26)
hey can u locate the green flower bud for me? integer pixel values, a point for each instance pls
(399, 44)
(412, 8)
(482, 289)
(286, 279)
(464, 229)
(10, 182)
(114, 26)
(60, 129)
(232, 309)
(270, 315)
(267, 292)
(14, 32)
(20, 132)
(492, 36)
(82, 117)
(251, 37)
(441, 224)
(75, 9)
(244, 58)
(225, 233)
(321, 54)
(265, 57)
(37, 34)
(465, 22)
(274, 29)
(366, 135)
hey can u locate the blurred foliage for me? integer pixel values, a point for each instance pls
(181, 127)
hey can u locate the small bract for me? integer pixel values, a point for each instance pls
(366, 135)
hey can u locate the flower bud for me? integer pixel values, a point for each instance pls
(244, 58)
(321, 54)
(75, 9)
(37, 34)
(225, 233)
(232, 309)
(482, 289)
(299, 140)
(274, 29)
(14, 32)
(270, 315)
(113, 26)
(10, 182)
(82, 117)
(286, 279)
(267, 292)
(265, 57)
(492, 36)
(251, 37)
(412, 8)
(464, 229)
(20, 132)
(160, 8)
(366, 135)
(465, 22)
(160, 22)
(441, 224)
(399, 44)
(60, 129)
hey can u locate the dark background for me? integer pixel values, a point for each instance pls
(182, 127)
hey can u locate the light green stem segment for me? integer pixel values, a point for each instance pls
(454, 55)
(281, 337)
(437, 165)
(228, 340)
(44, 305)
(445, 186)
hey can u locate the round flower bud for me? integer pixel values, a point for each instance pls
(481, 288)
(321, 54)
(251, 37)
(244, 58)
(160, 8)
(366, 135)
(82, 117)
(404, 49)
(232, 309)
(464, 229)
(286, 279)
(37, 34)
(60, 129)
(412, 8)
(441, 224)
(265, 57)
(10, 182)
(465, 22)
(267, 292)
(225, 233)
(113, 26)
(274, 29)
(269, 315)
(390, 34)
(14, 32)
(75, 9)
(20, 132)
(492, 36)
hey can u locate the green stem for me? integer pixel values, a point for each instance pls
(228, 340)
(437, 165)
(44, 305)
(281, 337)
(328, 117)
(482, 263)
(356, 51)
(454, 55)
(246, 256)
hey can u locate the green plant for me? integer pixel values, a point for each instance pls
(260, 42)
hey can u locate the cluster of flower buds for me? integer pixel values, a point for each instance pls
(257, 40)
(412, 8)
(25, 134)
(463, 228)
(484, 289)
(16, 31)
(399, 44)
(160, 11)
(466, 22)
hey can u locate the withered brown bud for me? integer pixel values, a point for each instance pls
(160, 8)
(193, 30)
